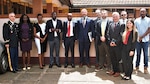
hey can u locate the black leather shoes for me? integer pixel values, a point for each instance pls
(58, 65)
(66, 65)
(51, 65)
(73, 65)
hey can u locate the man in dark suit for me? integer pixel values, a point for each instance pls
(53, 28)
(10, 36)
(114, 36)
(101, 32)
(85, 28)
(69, 36)
(98, 14)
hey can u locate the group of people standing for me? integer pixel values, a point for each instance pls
(115, 40)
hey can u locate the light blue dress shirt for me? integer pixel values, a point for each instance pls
(142, 25)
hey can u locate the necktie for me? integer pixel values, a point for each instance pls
(114, 26)
(84, 22)
(69, 29)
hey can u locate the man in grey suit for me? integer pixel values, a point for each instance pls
(53, 28)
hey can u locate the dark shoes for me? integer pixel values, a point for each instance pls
(66, 65)
(51, 65)
(73, 65)
(58, 65)
(88, 65)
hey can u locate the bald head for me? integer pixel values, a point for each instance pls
(84, 12)
(143, 12)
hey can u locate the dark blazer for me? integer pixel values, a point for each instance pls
(115, 34)
(30, 31)
(10, 34)
(82, 32)
(131, 45)
(98, 30)
(65, 30)
(49, 26)
(95, 27)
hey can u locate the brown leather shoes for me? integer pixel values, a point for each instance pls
(88, 65)
(81, 65)
(116, 74)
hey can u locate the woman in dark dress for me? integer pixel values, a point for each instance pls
(129, 43)
(40, 39)
(25, 35)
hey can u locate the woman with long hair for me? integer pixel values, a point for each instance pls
(129, 43)
(25, 36)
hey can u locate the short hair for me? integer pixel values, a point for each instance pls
(123, 12)
(115, 13)
(97, 11)
(39, 15)
(142, 9)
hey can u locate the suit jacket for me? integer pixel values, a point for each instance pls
(65, 30)
(98, 30)
(82, 32)
(115, 35)
(10, 34)
(95, 27)
(49, 26)
(131, 45)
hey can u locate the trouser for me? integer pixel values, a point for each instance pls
(84, 47)
(139, 47)
(69, 43)
(127, 61)
(55, 44)
(104, 55)
(115, 55)
(14, 57)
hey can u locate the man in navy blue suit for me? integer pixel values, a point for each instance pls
(85, 28)
(53, 28)
(69, 37)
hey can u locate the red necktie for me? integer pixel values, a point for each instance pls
(69, 29)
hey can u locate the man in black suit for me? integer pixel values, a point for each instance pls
(85, 28)
(114, 36)
(69, 36)
(101, 32)
(10, 36)
(98, 14)
(53, 28)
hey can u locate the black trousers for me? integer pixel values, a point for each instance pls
(69, 44)
(96, 50)
(115, 55)
(127, 61)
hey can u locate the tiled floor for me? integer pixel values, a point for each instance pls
(69, 76)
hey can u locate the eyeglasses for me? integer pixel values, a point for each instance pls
(123, 14)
